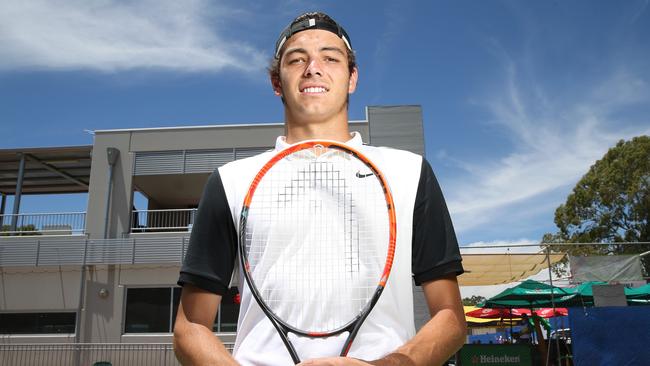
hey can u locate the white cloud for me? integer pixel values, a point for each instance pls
(554, 142)
(115, 35)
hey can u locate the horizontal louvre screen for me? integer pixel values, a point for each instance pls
(52, 251)
(61, 251)
(189, 161)
(18, 252)
(159, 162)
(241, 153)
(159, 250)
(206, 161)
(109, 251)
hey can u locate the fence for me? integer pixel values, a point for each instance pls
(162, 220)
(89, 354)
(61, 223)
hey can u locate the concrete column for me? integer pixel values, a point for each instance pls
(111, 154)
(3, 204)
(19, 191)
(2, 208)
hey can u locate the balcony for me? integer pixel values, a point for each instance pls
(62, 223)
(158, 236)
(79, 250)
(173, 220)
(74, 223)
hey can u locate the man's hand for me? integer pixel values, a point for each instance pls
(436, 341)
(334, 361)
(393, 359)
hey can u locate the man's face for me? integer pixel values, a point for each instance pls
(314, 77)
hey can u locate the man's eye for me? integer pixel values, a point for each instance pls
(296, 61)
(331, 59)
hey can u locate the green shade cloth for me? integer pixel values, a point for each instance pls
(537, 294)
(640, 293)
(583, 295)
(529, 294)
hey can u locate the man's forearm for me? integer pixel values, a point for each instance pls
(195, 344)
(436, 341)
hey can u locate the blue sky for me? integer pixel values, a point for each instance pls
(519, 98)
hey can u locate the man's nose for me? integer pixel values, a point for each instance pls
(313, 68)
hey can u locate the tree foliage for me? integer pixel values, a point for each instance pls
(20, 231)
(610, 204)
(473, 300)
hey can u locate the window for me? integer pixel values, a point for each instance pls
(148, 310)
(228, 313)
(153, 310)
(37, 323)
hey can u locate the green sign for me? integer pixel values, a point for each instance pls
(495, 355)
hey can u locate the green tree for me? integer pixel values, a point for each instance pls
(473, 300)
(610, 204)
(20, 231)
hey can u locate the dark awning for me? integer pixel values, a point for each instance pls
(48, 170)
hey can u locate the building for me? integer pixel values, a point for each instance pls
(101, 284)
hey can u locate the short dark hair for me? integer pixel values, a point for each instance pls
(274, 66)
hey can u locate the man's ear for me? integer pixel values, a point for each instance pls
(354, 76)
(277, 86)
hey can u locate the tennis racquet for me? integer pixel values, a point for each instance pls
(317, 240)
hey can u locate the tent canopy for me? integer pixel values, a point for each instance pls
(583, 294)
(639, 293)
(47, 170)
(497, 269)
(526, 294)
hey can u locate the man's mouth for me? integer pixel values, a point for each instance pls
(314, 90)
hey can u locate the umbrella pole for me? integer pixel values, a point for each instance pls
(550, 278)
(511, 340)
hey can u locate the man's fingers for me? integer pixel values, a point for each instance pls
(334, 361)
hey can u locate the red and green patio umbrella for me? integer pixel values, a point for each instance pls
(499, 313)
(505, 313)
(550, 312)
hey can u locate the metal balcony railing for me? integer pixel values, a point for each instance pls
(66, 354)
(61, 223)
(162, 220)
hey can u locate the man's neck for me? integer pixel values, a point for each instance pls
(335, 129)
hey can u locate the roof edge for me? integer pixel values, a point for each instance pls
(241, 125)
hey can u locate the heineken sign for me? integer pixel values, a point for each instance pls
(491, 359)
(495, 355)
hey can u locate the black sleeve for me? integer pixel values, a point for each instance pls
(435, 248)
(211, 254)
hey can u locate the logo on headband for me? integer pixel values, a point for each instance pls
(307, 24)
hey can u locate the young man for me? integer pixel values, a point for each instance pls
(313, 72)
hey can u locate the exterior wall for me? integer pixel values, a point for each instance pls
(100, 316)
(205, 137)
(121, 190)
(33, 289)
(397, 126)
(129, 142)
(105, 323)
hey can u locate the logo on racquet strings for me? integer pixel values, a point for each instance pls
(359, 175)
